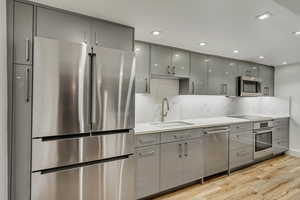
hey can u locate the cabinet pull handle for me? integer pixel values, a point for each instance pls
(174, 70)
(169, 72)
(186, 149)
(84, 38)
(146, 89)
(146, 141)
(27, 85)
(180, 150)
(150, 153)
(96, 41)
(27, 49)
(193, 87)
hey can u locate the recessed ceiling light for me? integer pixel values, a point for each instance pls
(155, 33)
(235, 51)
(261, 57)
(264, 16)
(297, 33)
(202, 43)
(284, 63)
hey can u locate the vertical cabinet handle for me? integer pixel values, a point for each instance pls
(146, 89)
(27, 98)
(174, 70)
(180, 150)
(96, 41)
(169, 70)
(193, 87)
(186, 149)
(27, 49)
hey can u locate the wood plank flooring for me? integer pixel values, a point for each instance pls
(275, 179)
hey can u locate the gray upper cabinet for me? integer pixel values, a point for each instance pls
(198, 81)
(266, 74)
(63, 26)
(248, 69)
(23, 32)
(180, 63)
(110, 35)
(142, 76)
(21, 154)
(230, 75)
(161, 60)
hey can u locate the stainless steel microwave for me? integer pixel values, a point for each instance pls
(249, 86)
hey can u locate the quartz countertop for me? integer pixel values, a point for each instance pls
(146, 128)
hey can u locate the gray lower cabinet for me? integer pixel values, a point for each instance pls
(266, 74)
(241, 149)
(23, 32)
(161, 60)
(147, 170)
(62, 26)
(142, 73)
(21, 153)
(280, 136)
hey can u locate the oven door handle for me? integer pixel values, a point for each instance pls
(265, 131)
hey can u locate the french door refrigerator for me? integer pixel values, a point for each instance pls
(83, 120)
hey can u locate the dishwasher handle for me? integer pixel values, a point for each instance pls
(216, 132)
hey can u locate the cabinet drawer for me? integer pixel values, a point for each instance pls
(240, 157)
(241, 140)
(281, 132)
(147, 139)
(181, 135)
(281, 122)
(280, 146)
(238, 128)
(147, 171)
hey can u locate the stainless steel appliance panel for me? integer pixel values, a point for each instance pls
(263, 144)
(113, 89)
(57, 153)
(60, 88)
(114, 180)
(216, 150)
(249, 86)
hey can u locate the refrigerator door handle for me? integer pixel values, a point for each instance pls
(94, 88)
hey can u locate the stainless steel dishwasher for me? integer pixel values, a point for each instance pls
(216, 150)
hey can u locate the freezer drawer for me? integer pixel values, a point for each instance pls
(63, 152)
(114, 180)
(60, 88)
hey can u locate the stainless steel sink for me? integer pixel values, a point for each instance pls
(171, 124)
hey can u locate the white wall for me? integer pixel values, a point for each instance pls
(287, 84)
(3, 103)
(148, 106)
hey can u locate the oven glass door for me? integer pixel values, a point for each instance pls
(263, 141)
(251, 86)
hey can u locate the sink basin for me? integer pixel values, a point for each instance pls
(171, 124)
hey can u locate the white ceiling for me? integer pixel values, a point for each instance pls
(224, 24)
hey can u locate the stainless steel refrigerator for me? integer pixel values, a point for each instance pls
(83, 120)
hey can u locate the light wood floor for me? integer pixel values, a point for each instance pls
(276, 179)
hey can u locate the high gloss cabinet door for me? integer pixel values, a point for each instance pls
(21, 154)
(142, 79)
(109, 35)
(180, 63)
(62, 26)
(147, 171)
(171, 165)
(23, 31)
(216, 85)
(193, 160)
(248, 69)
(198, 81)
(230, 75)
(161, 60)
(266, 74)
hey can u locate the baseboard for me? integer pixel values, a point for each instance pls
(294, 152)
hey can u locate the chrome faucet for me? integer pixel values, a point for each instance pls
(163, 112)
